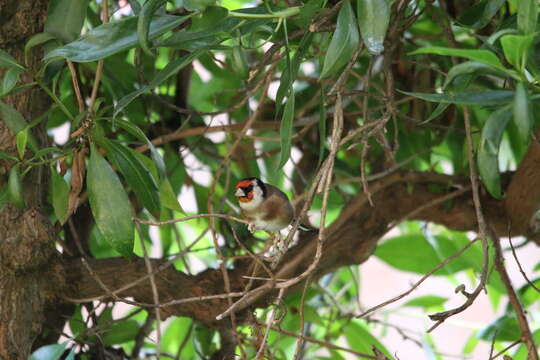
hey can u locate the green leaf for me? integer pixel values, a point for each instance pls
(487, 97)
(505, 328)
(480, 14)
(9, 61)
(344, 42)
(136, 175)
(426, 301)
(286, 78)
(21, 139)
(373, 19)
(13, 119)
(473, 67)
(49, 352)
(138, 133)
(120, 332)
(15, 188)
(523, 112)
(527, 16)
(471, 344)
(360, 339)
(60, 196)
(168, 197)
(36, 40)
(397, 252)
(110, 204)
(65, 18)
(108, 39)
(171, 69)
(198, 5)
(488, 150)
(6, 156)
(11, 77)
(484, 56)
(286, 130)
(144, 21)
(239, 62)
(516, 49)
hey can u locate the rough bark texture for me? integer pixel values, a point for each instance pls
(26, 242)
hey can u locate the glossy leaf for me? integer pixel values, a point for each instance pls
(373, 19)
(523, 112)
(488, 150)
(65, 18)
(21, 140)
(286, 130)
(344, 42)
(49, 352)
(15, 188)
(9, 61)
(527, 16)
(11, 77)
(483, 56)
(108, 39)
(171, 69)
(110, 204)
(60, 196)
(516, 49)
(487, 97)
(136, 175)
(143, 23)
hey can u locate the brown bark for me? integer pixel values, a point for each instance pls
(26, 242)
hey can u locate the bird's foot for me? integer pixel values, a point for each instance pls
(251, 227)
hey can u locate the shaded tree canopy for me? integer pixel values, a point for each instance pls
(402, 130)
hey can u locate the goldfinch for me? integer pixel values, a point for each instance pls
(264, 206)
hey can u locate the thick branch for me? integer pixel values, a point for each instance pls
(351, 240)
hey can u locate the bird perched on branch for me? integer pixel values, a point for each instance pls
(265, 206)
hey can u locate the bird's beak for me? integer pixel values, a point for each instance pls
(239, 193)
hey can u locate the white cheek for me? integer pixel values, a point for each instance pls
(252, 205)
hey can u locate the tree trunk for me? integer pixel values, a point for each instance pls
(26, 240)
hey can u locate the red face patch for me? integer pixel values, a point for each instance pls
(244, 184)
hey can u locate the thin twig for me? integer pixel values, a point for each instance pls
(482, 232)
(519, 264)
(269, 322)
(320, 342)
(187, 218)
(76, 86)
(301, 341)
(419, 282)
(526, 334)
(155, 292)
(99, 70)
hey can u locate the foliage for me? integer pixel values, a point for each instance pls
(180, 79)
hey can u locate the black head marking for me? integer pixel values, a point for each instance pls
(258, 182)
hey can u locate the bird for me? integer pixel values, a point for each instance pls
(264, 206)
